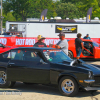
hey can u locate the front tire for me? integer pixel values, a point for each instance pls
(70, 54)
(68, 86)
(3, 80)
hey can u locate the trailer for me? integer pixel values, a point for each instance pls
(30, 30)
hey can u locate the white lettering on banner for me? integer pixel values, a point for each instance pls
(56, 41)
(30, 42)
(20, 41)
(3, 40)
(51, 41)
(47, 41)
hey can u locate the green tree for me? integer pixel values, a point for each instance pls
(8, 17)
(23, 9)
(67, 10)
(90, 3)
(72, 1)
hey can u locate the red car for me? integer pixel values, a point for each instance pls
(91, 49)
(4, 48)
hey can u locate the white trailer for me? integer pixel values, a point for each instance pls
(52, 29)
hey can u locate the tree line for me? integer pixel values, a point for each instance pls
(19, 10)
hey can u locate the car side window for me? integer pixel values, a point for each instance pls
(31, 56)
(16, 55)
(6, 55)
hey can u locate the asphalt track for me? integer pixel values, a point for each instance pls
(22, 91)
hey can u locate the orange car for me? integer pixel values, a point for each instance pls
(91, 49)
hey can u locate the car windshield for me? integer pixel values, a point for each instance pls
(95, 44)
(55, 55)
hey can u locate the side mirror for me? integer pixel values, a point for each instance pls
(41, 61)
(1, 45)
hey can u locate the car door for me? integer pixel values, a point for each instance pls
(37, 72)
(88, 50)
(28, 68)
(96, 50)
(16, 66)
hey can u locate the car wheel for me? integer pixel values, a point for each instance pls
(70, 54)
(3, 80)
(68, 86)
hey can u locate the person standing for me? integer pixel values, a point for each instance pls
(87, 37)
(62, 44)
(78, 45)
(40, 43)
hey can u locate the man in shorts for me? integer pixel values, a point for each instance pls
(78, 45)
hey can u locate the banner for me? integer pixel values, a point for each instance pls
(43, 15)
(89, 14)
(29, 42)
(66, 29)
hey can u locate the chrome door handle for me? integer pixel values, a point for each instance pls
(11, 63)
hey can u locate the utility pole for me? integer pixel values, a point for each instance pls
(1, 17)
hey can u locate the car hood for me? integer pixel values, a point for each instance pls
(82, 65)
(95, 69)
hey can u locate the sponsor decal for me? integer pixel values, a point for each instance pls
(66, 29)
(33, 41)
(30, 42)
(3, 40)
(25, 41)
(51, 41)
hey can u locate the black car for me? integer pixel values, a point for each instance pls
(47, 66)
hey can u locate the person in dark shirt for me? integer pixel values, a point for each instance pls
(78, 45)
(87, 37)
(40, 43)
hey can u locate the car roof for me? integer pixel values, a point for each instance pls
(82, 40)
(87, 40)
(35, 48)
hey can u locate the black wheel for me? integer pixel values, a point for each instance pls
(70, 54)
(68, 86)
(3, 80)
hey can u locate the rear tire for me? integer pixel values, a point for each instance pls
(3, 80)
(68, 86)
(70, 54)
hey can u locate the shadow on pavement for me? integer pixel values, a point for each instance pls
(34, 88)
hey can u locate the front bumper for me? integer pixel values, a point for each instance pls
(89, 81)
(91, 88)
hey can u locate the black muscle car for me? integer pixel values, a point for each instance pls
(47, 66)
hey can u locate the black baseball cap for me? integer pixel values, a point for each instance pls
(61, 34)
